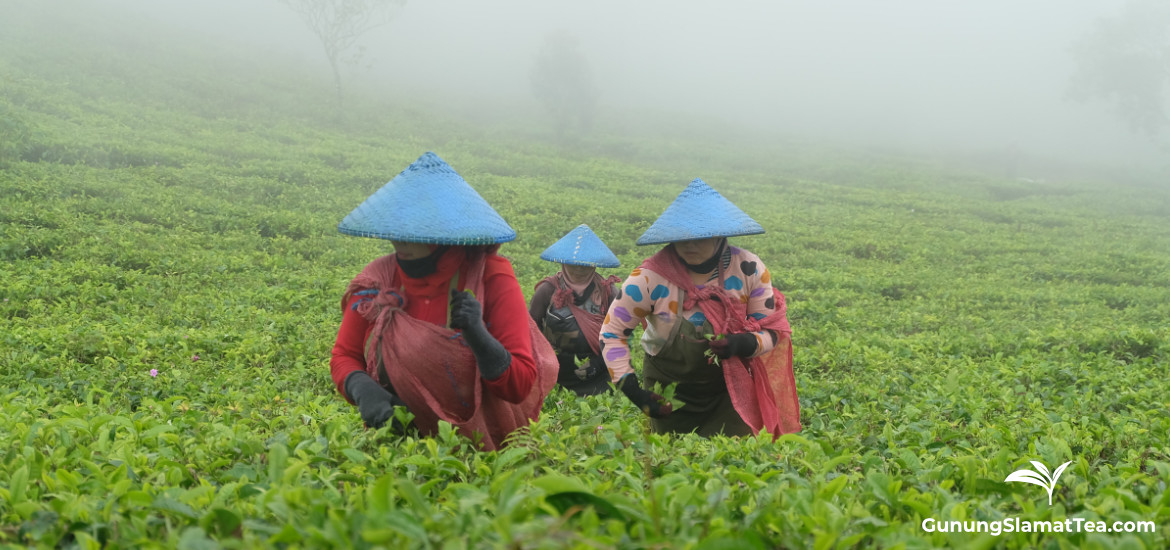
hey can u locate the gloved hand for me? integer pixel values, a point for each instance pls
(375, 404)
(467, 316)
(466, 311)
(740, 344)
(651, 403)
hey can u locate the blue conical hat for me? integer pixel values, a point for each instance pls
(428, 203)
(699, 212)
(580, 247)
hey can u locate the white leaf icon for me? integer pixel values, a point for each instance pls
(1043, 478)
(1043, 470)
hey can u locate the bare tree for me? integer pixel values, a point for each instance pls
(1125, 60)
(563, 82)
(340, 23)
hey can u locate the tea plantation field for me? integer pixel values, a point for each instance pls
(170, 272)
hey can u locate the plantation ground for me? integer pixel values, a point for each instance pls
(949, 327)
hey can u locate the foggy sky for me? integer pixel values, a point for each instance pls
(980, 75)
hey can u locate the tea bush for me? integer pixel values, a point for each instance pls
(170, 283)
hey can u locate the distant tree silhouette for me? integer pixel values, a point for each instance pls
(1125, 59)
(563, 83)
(340, 23)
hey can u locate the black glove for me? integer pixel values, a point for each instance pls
(375, 404)
(740, 344)
(651, 403)
(467, 316)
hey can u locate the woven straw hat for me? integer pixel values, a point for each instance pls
(581, 246)
(699, 212)
(428, 203)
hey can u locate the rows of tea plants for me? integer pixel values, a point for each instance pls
(170, 272)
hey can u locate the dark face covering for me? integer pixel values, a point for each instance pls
(707, 265)
(421, 267)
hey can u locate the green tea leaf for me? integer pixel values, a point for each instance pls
(566, 500)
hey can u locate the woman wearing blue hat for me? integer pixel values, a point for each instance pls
(440, 326)
(569, 306)
(714, 325)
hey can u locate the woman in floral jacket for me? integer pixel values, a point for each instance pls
(714, 325)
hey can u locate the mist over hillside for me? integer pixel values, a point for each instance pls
(984, 84)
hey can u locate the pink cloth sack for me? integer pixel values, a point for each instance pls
(434, 371)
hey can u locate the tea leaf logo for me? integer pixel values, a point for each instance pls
(1043, 479)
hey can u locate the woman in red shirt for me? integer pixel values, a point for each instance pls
(440, 326)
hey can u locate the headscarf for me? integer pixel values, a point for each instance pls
(577, 288)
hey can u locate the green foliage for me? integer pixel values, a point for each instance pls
(948, 328)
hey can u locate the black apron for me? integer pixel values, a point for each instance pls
(708, 410)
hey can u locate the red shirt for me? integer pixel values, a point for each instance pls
(504, 313)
